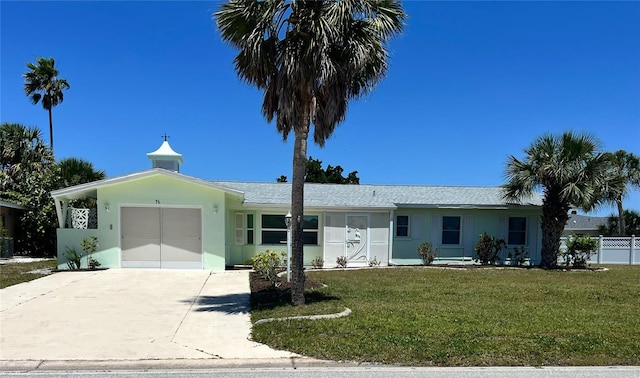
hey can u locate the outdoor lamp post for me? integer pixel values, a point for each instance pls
(287, 221)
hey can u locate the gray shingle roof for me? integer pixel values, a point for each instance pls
(375, 196)
(584, 222)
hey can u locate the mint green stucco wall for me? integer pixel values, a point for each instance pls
(425, 227)
(161, 191)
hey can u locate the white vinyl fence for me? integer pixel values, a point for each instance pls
(614, 249)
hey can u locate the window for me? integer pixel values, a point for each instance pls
(310, 227)
(402, 226)
(249, 228)
(274, 230)
(517, 230)
(450, 230)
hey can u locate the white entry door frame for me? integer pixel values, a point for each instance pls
(357, 239)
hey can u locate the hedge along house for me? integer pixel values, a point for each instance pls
(160, 218)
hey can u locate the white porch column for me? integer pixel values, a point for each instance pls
(61, 211)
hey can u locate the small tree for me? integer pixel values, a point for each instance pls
(488, 249)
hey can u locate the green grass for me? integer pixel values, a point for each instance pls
(481, 317)
(13, 274)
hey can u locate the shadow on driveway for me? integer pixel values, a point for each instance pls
(227, 304)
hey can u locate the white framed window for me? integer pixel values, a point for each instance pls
(451, 230)
(517, 231)
(402, 226)
(274, 229)
(310, 227)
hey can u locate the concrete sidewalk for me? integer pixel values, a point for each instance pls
(129, 315)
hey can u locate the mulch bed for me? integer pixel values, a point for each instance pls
(265, 295)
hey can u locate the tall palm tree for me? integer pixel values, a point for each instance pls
(43, 84)
(310, 58)
(624, 170)
(570, 170)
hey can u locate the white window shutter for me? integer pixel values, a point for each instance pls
(416, 226)
(239, 229)
(436, 230)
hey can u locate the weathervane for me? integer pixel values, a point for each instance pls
(165, 136)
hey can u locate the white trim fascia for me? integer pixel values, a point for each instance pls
(469, 207)
(12, 205)
(286, 207)
(84, 188)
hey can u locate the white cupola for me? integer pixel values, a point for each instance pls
(165, 157)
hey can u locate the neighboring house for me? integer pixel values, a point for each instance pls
(583, 225)
(9, 220)
(159, 218)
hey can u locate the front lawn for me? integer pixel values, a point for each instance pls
(15, 273)
(455, 317)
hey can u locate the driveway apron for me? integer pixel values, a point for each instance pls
(130, 314)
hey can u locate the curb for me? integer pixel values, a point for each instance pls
(176, 364)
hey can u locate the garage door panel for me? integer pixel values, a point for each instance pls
(140, 249)
(181, 250)
(140, 222)
(181, 223)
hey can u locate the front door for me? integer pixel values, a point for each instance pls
(357, 240)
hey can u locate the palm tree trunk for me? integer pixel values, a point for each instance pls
(554, 218)
(297, 216)
(621, 226)
(50, 131)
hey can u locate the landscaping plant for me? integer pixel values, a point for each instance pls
(488, 249)
(579, 251)
(341, 262)
(427, 253)
(268, 264)
(317, 263)
(74, 259)
(89, 246)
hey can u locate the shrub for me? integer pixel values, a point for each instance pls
(488, 249)
(518, 256)
(74, 259)
(427, 253)
(268, 264)
(341, 261)
(317, 263)
(579, 251)
(374, 262)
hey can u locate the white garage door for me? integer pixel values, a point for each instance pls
(154, 237)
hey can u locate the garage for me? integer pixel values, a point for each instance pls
(161, 237)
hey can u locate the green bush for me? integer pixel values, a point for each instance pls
(427, 253)
(268, 264)
(579, 251)
(488, 249)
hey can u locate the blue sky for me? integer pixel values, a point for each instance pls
(469, 84)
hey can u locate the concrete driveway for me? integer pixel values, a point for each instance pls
(122, 314)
